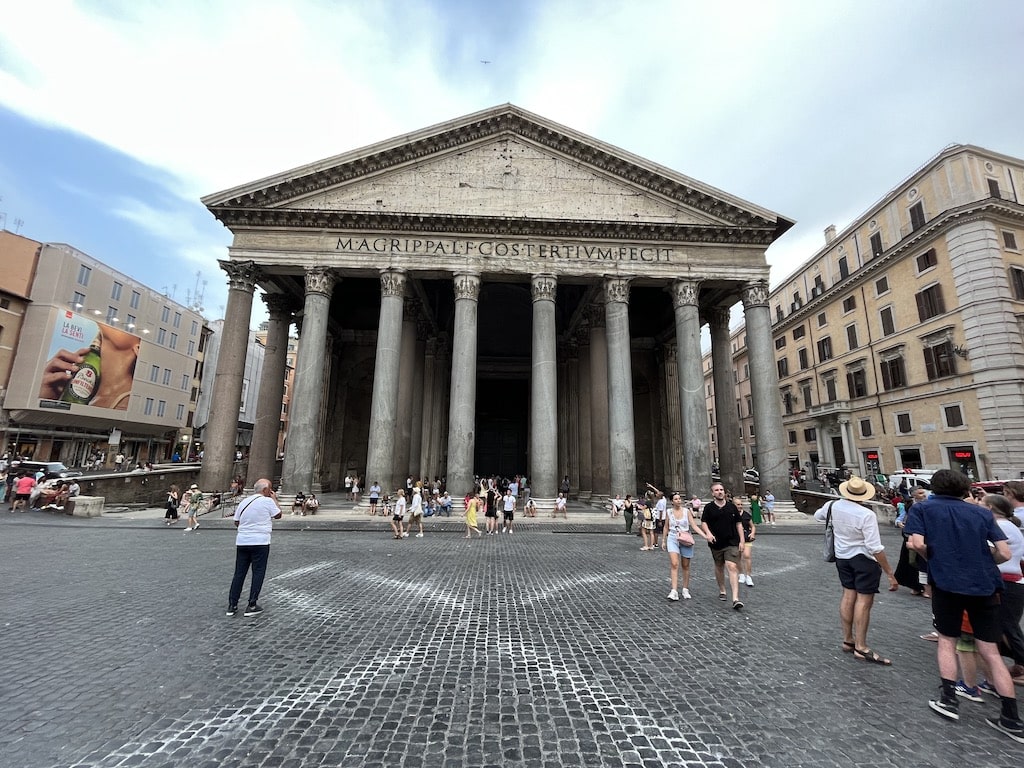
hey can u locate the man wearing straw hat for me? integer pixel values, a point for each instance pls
(860, 561)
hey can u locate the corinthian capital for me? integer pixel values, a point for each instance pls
(320, 280)
(594, 313)
(616, 290)
(755, 294)
(467, 286)
(242, 275)
(718, 317)
(280, 306)
(392, 283)
(685, 293)
(542, 287)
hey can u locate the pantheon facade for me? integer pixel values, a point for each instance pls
(497, 294)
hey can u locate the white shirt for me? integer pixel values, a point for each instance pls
(416, 508)
(660, 509)
(1015, 539)
(856, 529)
(254, 517)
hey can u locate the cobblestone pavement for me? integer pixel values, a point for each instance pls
(536, 649)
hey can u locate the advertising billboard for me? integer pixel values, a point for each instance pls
(90, 363)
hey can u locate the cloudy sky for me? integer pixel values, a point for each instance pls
(117, 115)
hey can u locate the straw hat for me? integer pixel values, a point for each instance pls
(857, 489)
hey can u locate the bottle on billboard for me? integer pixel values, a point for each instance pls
(83, 385)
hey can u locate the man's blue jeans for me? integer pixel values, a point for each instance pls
(246, 556)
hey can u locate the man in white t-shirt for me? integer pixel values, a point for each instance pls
(660, 514)
(252, 544)
(508, 509)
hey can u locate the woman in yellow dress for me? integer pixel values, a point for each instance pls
(471, 507)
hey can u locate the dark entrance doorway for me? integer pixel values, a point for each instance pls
(502, 408)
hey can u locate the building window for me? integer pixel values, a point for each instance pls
(111, 314)
(894, 375)
(129, 322)
(191, 347)
(939, 361)
(783, 365)
(831, 390)
(857, 382)
(154, 373)
(778, 313)
(77, 300)
(195, 327)
(888, 325)
(780, 342)
(993, 188)
(876, 244)
(865, 428)
(1009, 241)
(148, 408)
(792, 437)
(849, 304)
(810, 435)
(750, 405)
(851, 337)
(165, 314)
(1017, 282)
(135, 300)
(903, 425)
(115, 292)
(787, 402)
(798, 332)
(824, 349)
(917, 216)
(83, 275)
(805, 392)
(746, 371)
(161, 336)
(167, 377)
(174, 341)
(822, 319)
(929, 302)
(953, 415)
(184, 382)
(161, 407)
(180, 412)
(802, 358)
(177, 319)
(881, 286)
(844, 268)
(927, 260)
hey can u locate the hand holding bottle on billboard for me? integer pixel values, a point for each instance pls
(59, 370)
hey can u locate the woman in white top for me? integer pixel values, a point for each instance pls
(399, 515)
(679, 538)
(1011, 605)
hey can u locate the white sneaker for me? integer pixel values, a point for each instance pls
(750, 582)
(743, 578)
(186, 530)
(673, 595)
(419, 535)
(686, 594)
(405, 535)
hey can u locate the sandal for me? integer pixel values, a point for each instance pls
(932, 637)
(849, 647)
(868, 655)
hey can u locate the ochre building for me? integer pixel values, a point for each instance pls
(495, 294)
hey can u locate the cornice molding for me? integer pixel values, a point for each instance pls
(494, 125)
(493, 226)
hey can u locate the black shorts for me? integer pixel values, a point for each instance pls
(508, 516)
(861, 574)
(983, 611)
(659, 526)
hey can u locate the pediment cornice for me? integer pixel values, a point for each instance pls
(292, 218)
(510, 121)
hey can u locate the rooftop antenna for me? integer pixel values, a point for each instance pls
(194, 300)
(18, 223)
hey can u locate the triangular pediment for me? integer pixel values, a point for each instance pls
(502, 164)
(507, 176)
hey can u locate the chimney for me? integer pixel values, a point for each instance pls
(830, 234)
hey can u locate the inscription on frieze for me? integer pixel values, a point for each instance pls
(414, 246)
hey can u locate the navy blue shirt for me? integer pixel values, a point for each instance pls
(957, 536)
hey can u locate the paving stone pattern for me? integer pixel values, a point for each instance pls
(536, 649)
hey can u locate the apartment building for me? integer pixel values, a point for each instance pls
(144, 351)
(900, 344)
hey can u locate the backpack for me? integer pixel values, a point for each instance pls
(648, 515)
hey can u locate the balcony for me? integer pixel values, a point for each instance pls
(835, 408)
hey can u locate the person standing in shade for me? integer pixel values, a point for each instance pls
(964, 545)
(860, 561)
(723, 530)
(374, 497)
(252, 545)
(628, 509)
(508, 510)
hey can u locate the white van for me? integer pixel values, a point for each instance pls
(916, 478)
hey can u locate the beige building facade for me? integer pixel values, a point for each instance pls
(899, 343)
(497, 294)
(146, 365)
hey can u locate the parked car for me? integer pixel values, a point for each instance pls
(50, 469)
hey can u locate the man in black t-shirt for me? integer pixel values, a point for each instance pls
(723, 528)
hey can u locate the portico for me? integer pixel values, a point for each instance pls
(497, 295)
